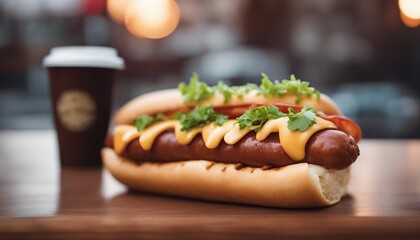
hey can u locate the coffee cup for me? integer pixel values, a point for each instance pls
(81, 89)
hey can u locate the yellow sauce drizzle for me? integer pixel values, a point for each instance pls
(183, 137)
(293, 142)
(236, 134)
(149, 134)
(123, 134)
(213, 134)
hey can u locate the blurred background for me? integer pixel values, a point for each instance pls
(364, 54)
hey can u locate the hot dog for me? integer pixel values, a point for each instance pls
(178, 138)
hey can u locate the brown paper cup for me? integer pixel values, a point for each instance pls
(81, 87)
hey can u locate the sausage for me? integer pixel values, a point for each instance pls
(330, 148)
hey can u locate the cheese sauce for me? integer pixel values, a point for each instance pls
(293, 142)
(123, 134)
(213, 134)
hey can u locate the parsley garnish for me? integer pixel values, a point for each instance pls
(228, 91)
(177, 115)
(302, 120)
(225, 90)
(196, 91)
(200, 117)
(270, 89)
(255, 118)
(144, 121)
(294, 86)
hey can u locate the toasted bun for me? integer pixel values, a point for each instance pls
(298, 185)
(171, 100)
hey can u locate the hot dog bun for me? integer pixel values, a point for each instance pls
(171, 100)
(297, 185)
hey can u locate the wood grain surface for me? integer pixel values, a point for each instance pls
(40, 200)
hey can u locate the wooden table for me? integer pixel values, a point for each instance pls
(40, 200)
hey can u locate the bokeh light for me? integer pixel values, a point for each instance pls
(410, 8)
(410, 12)
(117, 9)
(152, 19)
(409, 22)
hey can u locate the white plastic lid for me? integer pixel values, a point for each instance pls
(83, 56)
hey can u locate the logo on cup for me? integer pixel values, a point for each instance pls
(76, 110)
